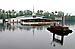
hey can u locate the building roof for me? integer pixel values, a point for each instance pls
(23, 17)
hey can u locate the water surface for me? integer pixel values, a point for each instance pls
(16, 36)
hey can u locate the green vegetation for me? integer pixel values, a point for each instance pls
(70, 18)
(12, 13)
(46, 14)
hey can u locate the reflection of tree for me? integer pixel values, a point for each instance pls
(11, 26)
(6, 26)
(39, 27)
(25, 27)
(70, 23)
(2, 27)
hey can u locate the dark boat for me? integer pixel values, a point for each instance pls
(59, 30)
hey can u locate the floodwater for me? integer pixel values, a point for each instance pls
(16, 36)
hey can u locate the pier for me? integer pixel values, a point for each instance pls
(39, 23)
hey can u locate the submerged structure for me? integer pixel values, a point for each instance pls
(60, 30)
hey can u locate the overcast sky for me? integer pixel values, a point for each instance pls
(67, 6)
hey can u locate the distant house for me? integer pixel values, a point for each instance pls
(58, 18)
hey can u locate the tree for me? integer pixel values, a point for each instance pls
(39, 12)
(56, 13)
(3, 14)
(20, 13)
(13, 13)
(52, 13)
(46, 14)
(0, 12)
(7, 14)
(60, 13)
(27, 12)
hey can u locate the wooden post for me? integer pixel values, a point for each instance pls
(63, 20)
(54, 24)
(3, 20)
(62, 37)
(53, 36)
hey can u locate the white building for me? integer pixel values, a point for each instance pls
(18, 19)
(58, 18)
(1, 20)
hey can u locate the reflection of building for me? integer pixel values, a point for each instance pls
(59, 31)
(60, 41)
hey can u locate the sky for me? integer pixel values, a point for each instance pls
(67, 6)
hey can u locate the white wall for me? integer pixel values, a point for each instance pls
(1, 21)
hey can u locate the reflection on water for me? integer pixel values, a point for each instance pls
(57, 40)
(16, 36)
(14, 26)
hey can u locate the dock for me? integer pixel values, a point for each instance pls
(38, 23)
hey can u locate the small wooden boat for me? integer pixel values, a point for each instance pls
(59, 30)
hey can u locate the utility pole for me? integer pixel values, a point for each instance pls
(34, 15)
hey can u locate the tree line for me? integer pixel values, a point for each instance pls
(13, 14)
